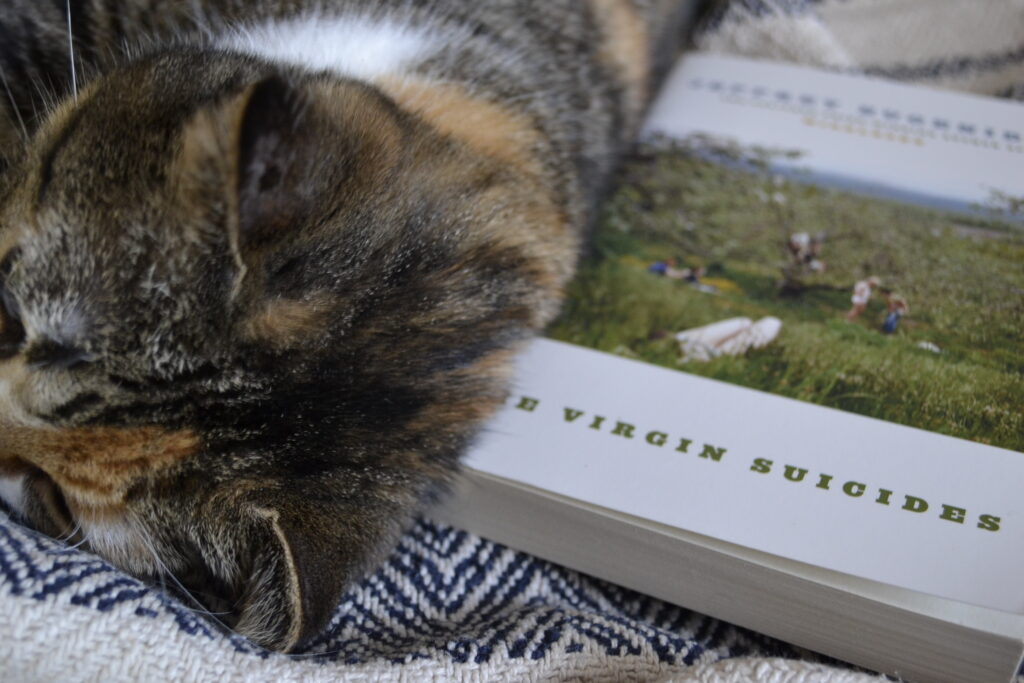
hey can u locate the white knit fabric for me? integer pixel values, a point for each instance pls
(971, 45)
(447, 606)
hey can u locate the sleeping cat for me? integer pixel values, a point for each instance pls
(264, 265)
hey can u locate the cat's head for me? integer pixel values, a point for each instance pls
(249, 319)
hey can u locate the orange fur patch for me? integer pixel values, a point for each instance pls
(285, 323)
(485, 126)
(626, 48)
(97, 465)
(498, 366)
(521, 213)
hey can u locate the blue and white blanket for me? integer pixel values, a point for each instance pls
(445, 606)
(450, 606)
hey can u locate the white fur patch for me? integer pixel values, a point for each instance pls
(61, 321)
(354, 46)
(121, 543)
(12, 492)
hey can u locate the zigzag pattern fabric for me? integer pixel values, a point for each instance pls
(446, 605)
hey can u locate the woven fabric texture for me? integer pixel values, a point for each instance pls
(445, 606)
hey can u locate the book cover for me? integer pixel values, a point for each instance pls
(799, 330)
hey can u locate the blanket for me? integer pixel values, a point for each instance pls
(447, 605)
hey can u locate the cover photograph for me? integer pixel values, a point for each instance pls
(798, 328)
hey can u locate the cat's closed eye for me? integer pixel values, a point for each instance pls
(42, 353)
(47, 353)
(12, 332)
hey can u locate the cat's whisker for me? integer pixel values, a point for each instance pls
(164, 572)
(44, 97)
(73, 547)
(78, 545)
(71, 50)
(71, 534)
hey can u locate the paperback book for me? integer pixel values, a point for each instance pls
(787, 389)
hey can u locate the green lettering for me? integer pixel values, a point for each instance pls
(854, 489)
(596, 424)
(656, 438)
(712, 452)
(571, 414)
(528, 404)
(795, 474)
(953, 514)
(915, 504)
(623, 429)
(761, 465)
(683, 445)
(989, 523)
(883, 496)
(823, 480)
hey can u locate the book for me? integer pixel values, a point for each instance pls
(787, 389)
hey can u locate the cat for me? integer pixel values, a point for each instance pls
(264, 266)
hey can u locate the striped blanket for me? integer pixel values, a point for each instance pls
(450, 606)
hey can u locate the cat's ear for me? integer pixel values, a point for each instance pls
(275, 156)
(247, 164)
(295, 584)
(311, 554)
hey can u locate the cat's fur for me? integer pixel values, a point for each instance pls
(264, 272)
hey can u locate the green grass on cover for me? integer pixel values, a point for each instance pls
(962, 276)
